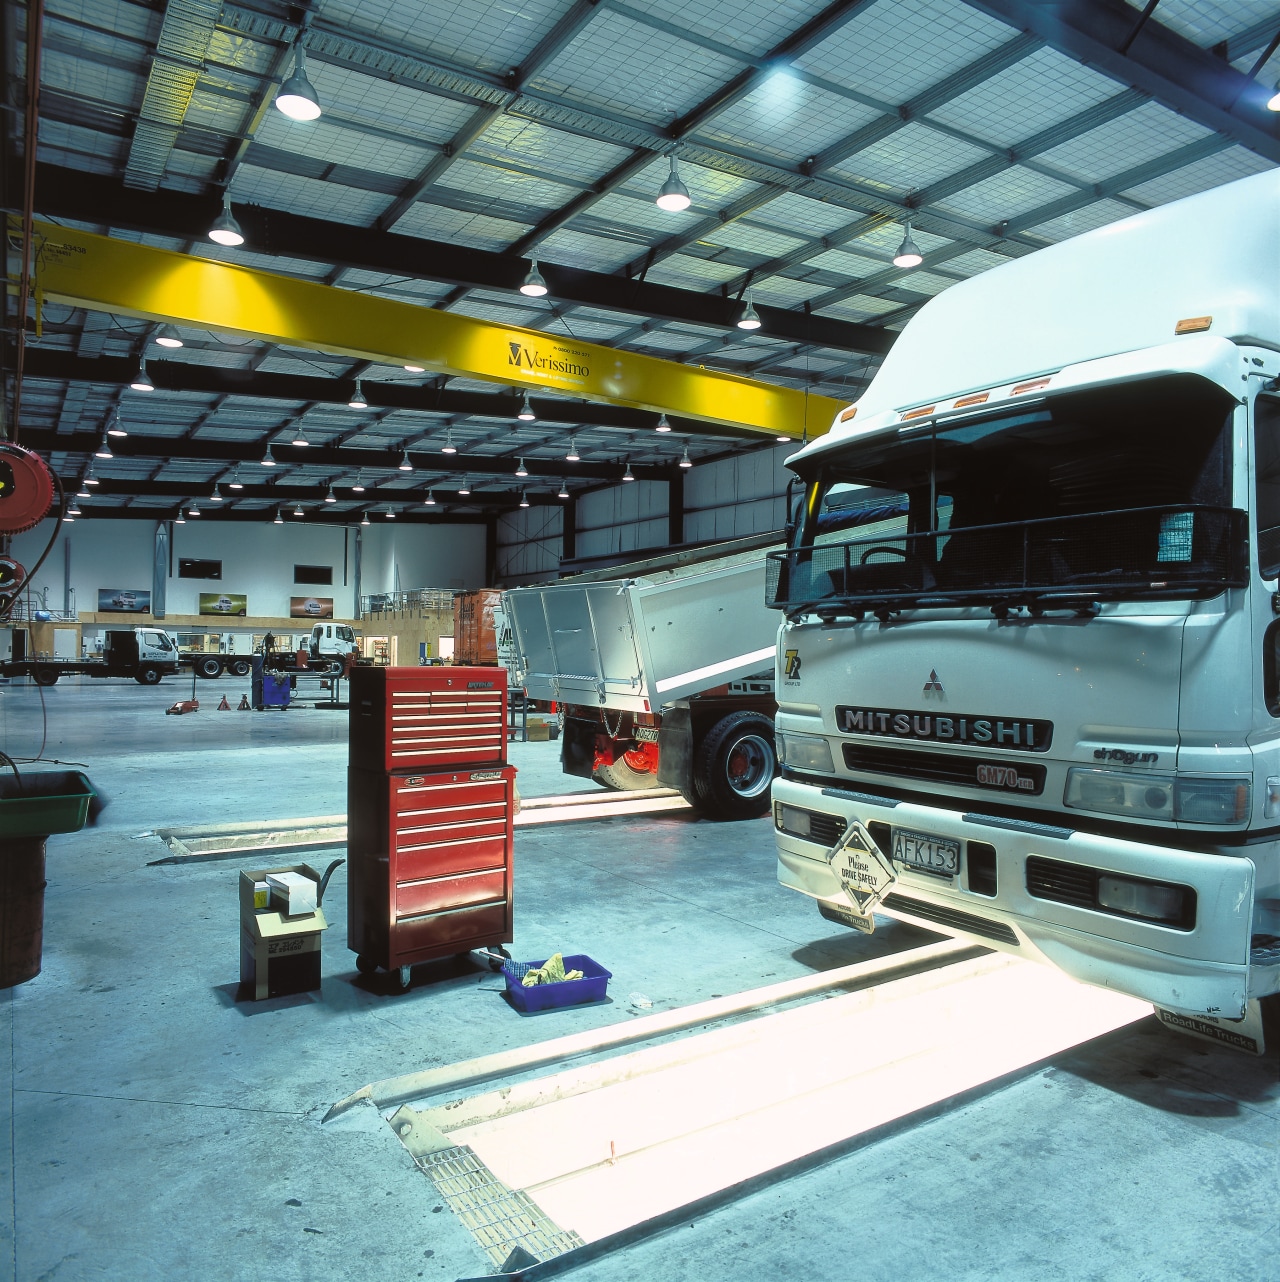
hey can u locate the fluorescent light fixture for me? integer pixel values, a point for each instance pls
(564, 491)
(414, 369)
(674, 195)
(908, 254)
(750, 318)
(448, 447)
(404, 465)
(299, 436)
(573, 456)
(534, 286)
(465, 487)
(364, 520)
(663, 425)
(279, 520)
(521, 470)
(267, 460)
(358, 487)
(142, 380)
(235, 483)
(357, 401)
(226, 231)
(297, 97)
(329, 495)
(104, 448)
(526, 414)
(626, 476)
(524, 498)
(685, 461)
(167, 336)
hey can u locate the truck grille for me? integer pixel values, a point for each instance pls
(943, 767)
(1062, 883)
(952, 917)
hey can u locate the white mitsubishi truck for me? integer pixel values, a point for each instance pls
(1029, 666)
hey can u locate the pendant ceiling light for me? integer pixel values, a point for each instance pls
(297, 511)
(104, 448)
(278, 519)
(573, 456)
(180, 519)
(83, 491)
(358, 401)
(74, 509)
(226, 231)
(142, 380)
(448, 447)
(235, 483)
(90, 478)
(391, 516)
(297, 97)
(626, 476)
(167, 336)
(750, 318)
(526, 414)
(908, 254)
(465, 487)
(431, 498)
(685, 461)
(404, 464)
(564, 491)
(674, 195)
(521, 470)
(215, 495)
(300, 436)
(193, 510)
(116, 428)
(534, 285)
(524, 498)
(267, 460)
(364, 520)
(329, 496)
(358, 487)
(416, 369)
(663, 425)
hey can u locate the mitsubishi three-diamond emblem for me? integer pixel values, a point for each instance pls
(933, 683)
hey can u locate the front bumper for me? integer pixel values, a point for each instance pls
(1203, 970)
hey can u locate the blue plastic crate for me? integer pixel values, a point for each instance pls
(570, 992)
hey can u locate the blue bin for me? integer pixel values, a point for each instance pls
(570, 992)
(275, 689)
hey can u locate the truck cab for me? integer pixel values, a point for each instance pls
(1029, 650)
(332, 641)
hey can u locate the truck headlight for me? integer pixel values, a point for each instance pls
(1216, 802)
(804, 752)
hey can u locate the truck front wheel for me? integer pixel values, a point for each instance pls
(45, 677)
(148, 676)
(734, 765)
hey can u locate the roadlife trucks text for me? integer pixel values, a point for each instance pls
(652, 664)
(1029, 666)
(145, 654)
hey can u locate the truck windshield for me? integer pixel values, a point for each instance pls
(344, 634)
(1110, 493)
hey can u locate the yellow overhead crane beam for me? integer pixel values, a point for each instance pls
(105, 274)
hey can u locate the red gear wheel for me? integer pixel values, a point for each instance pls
(26, 488)
(12, 577)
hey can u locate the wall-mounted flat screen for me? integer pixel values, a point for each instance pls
(192, 568)
(322, 574)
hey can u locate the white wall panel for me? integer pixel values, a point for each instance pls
(257, 560)
(530, 541)
(737, 497)
(623, 518)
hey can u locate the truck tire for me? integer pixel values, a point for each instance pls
(148, 675)
(209, 667)
(45, 676)
(240, 668)
(734, 766)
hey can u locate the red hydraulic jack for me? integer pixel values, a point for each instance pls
(224, 706)
(183, 705)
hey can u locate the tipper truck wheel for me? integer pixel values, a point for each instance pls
(734, 766)
(241, 668)
(631, 771)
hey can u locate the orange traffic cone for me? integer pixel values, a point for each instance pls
(244, 705)
(224, 706)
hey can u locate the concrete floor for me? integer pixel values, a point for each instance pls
(161, 1130)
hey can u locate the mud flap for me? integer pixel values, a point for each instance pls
(1240, 1034)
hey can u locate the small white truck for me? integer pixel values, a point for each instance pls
(145, 654)
(1031, 619)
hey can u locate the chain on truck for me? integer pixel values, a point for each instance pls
(1030, 649)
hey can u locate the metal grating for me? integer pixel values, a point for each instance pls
(499, 1218)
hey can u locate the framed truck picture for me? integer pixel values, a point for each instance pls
(223, 603)
(124, 600)
(311, 607)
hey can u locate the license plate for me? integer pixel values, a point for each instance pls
(926, 852)
(645, 734)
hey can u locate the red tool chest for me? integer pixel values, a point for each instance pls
(430, 801)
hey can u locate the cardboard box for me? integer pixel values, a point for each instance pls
(279, 953)
(292, 892)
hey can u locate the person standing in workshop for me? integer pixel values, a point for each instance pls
(268, 644)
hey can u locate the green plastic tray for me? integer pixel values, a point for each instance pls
(47, 801)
